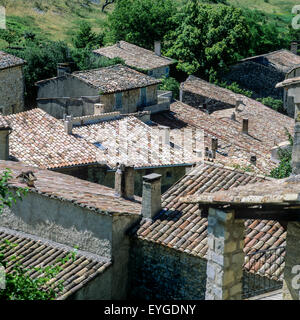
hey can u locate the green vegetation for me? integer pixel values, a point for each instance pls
(235, 88)
(284, 168)
(275, 104)
(170, 84)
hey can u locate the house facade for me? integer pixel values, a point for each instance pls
(12, 86)
(115, 88)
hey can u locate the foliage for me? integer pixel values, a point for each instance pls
(84, 59)
(275, 104)
(208, 38)
(284, 168)
(141, 21)
(235, 88)
(85, 38)
(170, 84)
(7, 197)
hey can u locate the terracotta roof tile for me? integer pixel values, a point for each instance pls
(134, 56)
(31, 252)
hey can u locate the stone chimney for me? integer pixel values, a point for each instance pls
(68, 124)
(151, 202)
(253, 160)
(99, 108)
(165, 135)
(4, 143)
(63, 69)
(233, 117)
(294, 47)
(124, 182)
(157, 48)
(237, 104)
(245, 127)
(214, 147)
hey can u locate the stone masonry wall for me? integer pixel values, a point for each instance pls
(225, 256)
(157, 272)
(12, 90)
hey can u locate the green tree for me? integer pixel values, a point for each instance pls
(170, 84)
(141, 21)
(86, 38)
(208, 38)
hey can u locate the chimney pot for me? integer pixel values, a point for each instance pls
(99, 108)
(157, 48)
(214, 147)
(245, 126)
(68, 123)
(253, 160)
(151, 201)
(4, 143)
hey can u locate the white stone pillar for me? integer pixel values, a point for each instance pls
(225, 256)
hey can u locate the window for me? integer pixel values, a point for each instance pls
(143, 97)
(118, 103)
(169, 174)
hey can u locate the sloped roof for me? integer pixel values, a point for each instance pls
(282, 60)
(40, 140)
(131, 142)
(134, 56)
(266, 127)
(115, 79)
(180, 226)
(32, 252)
(8, 61)
(64, 187)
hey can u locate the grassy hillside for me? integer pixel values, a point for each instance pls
(59, 19)
(54, 19)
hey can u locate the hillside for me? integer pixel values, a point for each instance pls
(59, 19)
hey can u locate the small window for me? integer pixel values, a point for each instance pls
(118, 103)
(167, 71)
(169, 174)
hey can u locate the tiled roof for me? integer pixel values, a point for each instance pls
(134, 56)
(181, 227)
(209, 90)
(277, 192)
(67, 188)
(8, 61)
(282, 60)
(39, 139)
(115, 78)
(288, 82)
(266, 130)
(3, 123)
(32, 252)
(131, 142)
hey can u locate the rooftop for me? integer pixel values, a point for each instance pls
(288, 82)
(132, 142)
(40, 140)
(282, 60)
(32, 252)
(267, 128)
(134, 56)
(115, 78)
(180, 225)
(284, 192)
(8, 61)
(67, 188)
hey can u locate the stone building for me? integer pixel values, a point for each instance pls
(169, 252)
(247, 133)
(91, 147)
(151, 63)
(109, 89)
(260, 74)
(12, 86)
(60, 213)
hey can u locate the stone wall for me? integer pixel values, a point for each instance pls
(101, 175)
(158, 272)
(159, 73)
(12, 90)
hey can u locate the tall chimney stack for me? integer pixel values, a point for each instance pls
(124, 182)
(157, 48)
(151, 202)
(214, 147)
(294, 47)
(4, 142)
(245, 126)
